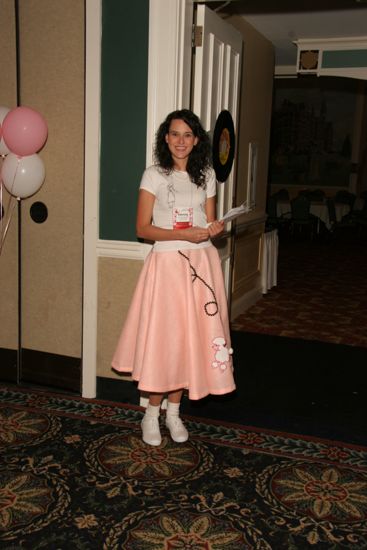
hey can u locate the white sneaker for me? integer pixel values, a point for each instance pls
(176, 428)
(151, 432)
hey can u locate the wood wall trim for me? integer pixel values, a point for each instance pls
(125, 250)
(169, 62)
(91, 197)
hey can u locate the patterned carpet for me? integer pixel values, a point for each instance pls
(75, 474)
(321, 294)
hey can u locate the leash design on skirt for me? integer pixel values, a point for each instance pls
(195, 276)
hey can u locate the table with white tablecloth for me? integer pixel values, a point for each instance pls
(269, 260)
(318, 209)
(284, 209)
(341, 210)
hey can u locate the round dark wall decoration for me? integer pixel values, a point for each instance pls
(39, 212)
(223, 146)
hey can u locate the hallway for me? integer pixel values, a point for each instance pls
(321, 294)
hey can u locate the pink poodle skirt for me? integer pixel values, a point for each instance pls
(176, 334)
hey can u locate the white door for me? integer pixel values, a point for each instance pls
(216, 87)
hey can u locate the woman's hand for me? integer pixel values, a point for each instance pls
(215, 229)
(195, 234)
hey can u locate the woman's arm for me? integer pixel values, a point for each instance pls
(215, 227)
(145, 229)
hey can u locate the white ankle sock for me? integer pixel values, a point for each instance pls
(173, 409)
(152, 410)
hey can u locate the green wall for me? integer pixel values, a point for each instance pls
(124, 74)
(345, 58)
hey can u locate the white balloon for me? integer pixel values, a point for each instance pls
(23, 176)
(3, 112)
(3, 147)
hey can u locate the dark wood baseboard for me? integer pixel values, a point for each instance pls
(121, 391)
(8, 365)
(51, 370)
(41, 369)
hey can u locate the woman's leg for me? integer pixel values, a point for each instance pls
(155, 399)
(150, 422)
(174, 423)
(175, 396)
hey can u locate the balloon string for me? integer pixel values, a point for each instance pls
(2, 211)
(9, 217)
(9, 210)
(15, 175)
(12, 184)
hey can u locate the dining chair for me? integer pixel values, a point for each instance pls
(348, 221)
(274, 220)
(345, 197)
(332, 213)
(301, 218)
(282, 195)
(360, 218)
(316, 195)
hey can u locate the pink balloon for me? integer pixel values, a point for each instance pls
(24, 131)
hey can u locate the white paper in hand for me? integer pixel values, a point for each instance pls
(235, 213)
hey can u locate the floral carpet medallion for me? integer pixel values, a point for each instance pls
(177, 529)
(74, 473)
(31, 497)
(128, 457)
(322, 502)
(24, 428)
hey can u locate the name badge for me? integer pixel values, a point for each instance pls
(182, 217)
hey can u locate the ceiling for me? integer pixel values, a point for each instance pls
(283, 21)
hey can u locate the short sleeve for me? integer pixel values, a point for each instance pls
(149, 180)
(211, 184)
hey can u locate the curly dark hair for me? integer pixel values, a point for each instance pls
(199, 160)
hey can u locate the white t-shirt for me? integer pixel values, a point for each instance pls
(177, 191)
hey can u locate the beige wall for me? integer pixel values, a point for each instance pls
(255, 120)
(52, 82)
(9, 256)
(255, 109)
(116, 282)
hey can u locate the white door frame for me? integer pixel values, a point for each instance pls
(93, 17)
(169, 62)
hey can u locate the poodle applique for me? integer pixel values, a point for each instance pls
(222, 353)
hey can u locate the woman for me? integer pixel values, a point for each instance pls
(176, 334)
